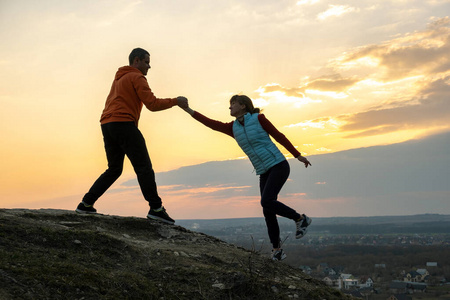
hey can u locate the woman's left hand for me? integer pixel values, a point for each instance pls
(304, 160)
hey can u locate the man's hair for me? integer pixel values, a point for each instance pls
(137, 52)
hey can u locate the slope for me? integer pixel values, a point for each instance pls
(57, 254)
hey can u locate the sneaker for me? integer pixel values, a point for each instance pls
(84, 208)
(302, 226)
(161, 215)
(278, 255)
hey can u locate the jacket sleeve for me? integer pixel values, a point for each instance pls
(147, 97)
(226, 128)
(277, 135)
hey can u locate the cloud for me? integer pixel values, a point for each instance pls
(217, 191)
(431, 109)
(399, 85)
(333, 85)
(335, 11)
(217, 179)
(418, 53)
(324, 122)
(422, 54)
(275, 87)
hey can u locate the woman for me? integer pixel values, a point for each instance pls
(251, 131)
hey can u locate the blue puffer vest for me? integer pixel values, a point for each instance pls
(256, 143)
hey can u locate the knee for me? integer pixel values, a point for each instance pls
(266, 204)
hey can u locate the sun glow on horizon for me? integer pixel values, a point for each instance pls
(329, 77)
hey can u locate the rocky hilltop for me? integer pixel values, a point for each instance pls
(58, 254)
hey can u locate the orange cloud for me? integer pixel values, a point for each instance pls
(203, 190)
(430, 110)
(419, 53)
(295, 194)
(330, 83)
(333, 83)
(291, 92)
(401, 85)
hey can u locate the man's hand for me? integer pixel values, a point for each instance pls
(182, 102)
(304, 160)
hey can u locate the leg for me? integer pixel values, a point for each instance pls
(270, 185)
(133, 144)
(115, 156)
(272, 228)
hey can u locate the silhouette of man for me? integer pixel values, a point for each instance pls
(119, 123)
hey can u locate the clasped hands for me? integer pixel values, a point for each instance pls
(182, 102)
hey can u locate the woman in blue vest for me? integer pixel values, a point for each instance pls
(251, 130)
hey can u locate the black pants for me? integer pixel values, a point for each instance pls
(124, 138)
(270, 184)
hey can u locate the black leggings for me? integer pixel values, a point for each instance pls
(270, 184)
(124, 138)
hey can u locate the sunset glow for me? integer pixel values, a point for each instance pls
(330, 77)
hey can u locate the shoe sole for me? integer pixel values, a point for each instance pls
(85, 212)
(160, 219)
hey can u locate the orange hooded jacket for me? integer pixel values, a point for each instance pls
(129, 92)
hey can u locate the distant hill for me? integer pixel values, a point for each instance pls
(425, 223)
(58, 254)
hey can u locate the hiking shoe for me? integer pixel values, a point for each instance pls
(161, 215)
(302, 226)
(84, 208)
(278, 255)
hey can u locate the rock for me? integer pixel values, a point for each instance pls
(184, 254)
(220, 286)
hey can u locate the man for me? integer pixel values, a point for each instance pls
(119, 124)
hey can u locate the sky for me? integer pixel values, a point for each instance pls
(332, 76)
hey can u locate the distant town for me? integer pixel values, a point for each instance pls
(393, 257)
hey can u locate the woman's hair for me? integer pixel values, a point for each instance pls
(244, 100)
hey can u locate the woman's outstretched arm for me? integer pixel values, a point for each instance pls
(226, 128)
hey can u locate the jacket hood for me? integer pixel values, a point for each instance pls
(125, 70)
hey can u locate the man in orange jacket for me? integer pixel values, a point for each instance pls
(119, 123)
